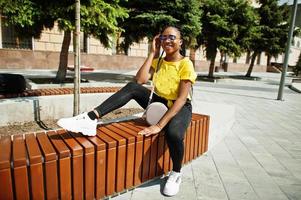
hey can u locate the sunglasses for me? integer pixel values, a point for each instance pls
(167, 37)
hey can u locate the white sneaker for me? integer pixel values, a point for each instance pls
(80, 123)
(172, 185)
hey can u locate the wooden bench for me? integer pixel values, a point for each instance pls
(65, 165)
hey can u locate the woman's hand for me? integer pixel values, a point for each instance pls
(151, 130)
(156, 45)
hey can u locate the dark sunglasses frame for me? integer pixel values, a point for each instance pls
(167, 37)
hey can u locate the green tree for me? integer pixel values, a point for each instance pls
(98, 18)
(297, 67)
(27, 16)
(148, 17)
(228, 26)
(273, 28)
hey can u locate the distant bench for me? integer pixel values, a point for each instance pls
(82, 68)
(65, 165)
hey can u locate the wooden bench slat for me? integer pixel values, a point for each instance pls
(50, 165)
(130, 155)
(77, 165)
(59, 145)
(34, 153)
(100, 166)
(46, 147)
(119, 139)
(123, 127)
(87, 146)
(166, 160)
(19, 151)
(192, 129)
(130, 138)
(74, 147)
(120, 160)
(5, 169)
(5, 152)
(89, 165)
(20, 168)
(35, 167)
(138, 151)
(107, 139)
(111, 161)
(153, 155)
(64, 165)
(138, 126)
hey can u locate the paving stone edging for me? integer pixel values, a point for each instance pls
(58, 91)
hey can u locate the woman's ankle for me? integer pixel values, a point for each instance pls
(93, 115)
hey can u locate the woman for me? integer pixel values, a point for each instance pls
(172, 80)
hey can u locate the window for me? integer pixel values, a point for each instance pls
(11, 40)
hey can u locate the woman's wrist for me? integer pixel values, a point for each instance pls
(159, 126)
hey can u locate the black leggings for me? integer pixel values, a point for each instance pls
(175, 128)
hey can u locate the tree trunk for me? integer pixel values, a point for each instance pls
(212, 65)
(62, 71)
(192, 55)
(76, 44)
(269, 57)
(251, 64)
(118, 44)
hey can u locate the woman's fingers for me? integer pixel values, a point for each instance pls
(150, 130)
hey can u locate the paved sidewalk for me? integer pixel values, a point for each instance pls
(259, 158)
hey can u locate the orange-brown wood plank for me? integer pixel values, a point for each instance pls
(76, 164)
(138, 151)
(35, 167)
(20, 169)
(50, 165)
(153, 155)
(111, 162)
(160, 155)
(138, 126)
(192, 133)
(207, 133)
(201, 133)
(100, 166)
(130, 155)
(64, 163)
(196, 141)
(5, 169)
(166, 159)
(121, 156)
(89, 163)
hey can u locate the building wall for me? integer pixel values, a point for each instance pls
(20, 59)
(50, 40)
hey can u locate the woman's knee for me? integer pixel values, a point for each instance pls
(174, 135)
(132, 85)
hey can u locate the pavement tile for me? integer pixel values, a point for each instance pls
(207, 180)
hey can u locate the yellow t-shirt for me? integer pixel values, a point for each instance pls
(168, 77)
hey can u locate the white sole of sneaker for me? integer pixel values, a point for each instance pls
(89, 132)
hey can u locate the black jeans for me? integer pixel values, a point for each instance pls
(174, 130)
